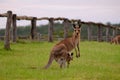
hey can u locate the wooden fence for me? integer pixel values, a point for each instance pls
(12, 19)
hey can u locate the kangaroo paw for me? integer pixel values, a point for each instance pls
(77, 56)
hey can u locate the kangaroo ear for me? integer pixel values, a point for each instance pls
(74, 25)
(71, 54)
(79, 23)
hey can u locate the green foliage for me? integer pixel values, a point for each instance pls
(59, 31)
(23, 31)
(2, 32)
(25, 61)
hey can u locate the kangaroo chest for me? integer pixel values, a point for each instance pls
(72, 44)
(75, 42)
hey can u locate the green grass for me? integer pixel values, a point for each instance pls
(25, 60)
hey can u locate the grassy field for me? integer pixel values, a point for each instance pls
(98, 61)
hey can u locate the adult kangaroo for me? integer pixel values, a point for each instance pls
(65, 46)
(116, 40)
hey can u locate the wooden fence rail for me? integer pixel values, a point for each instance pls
(12, 19)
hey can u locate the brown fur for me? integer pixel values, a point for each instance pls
(65, 46)
(69, 58)
(116, 40)
(62, 61)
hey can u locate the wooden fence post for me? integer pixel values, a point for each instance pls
(114, 32)
(33, 28)
(50, 30)
(99, 33)
(89, 32)
(7, 31)
(65, 24)
(107, 33)
(14, 37)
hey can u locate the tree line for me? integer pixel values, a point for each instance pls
(58, 30)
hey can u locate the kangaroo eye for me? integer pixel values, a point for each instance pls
(75, 30)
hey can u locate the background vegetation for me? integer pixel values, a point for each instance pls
(58, 30)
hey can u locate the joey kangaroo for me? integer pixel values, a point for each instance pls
(62, 60)
(65, 46)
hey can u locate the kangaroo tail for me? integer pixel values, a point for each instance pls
(51, 58)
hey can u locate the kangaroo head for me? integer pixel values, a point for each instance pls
(70, 56)
(77, 28)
